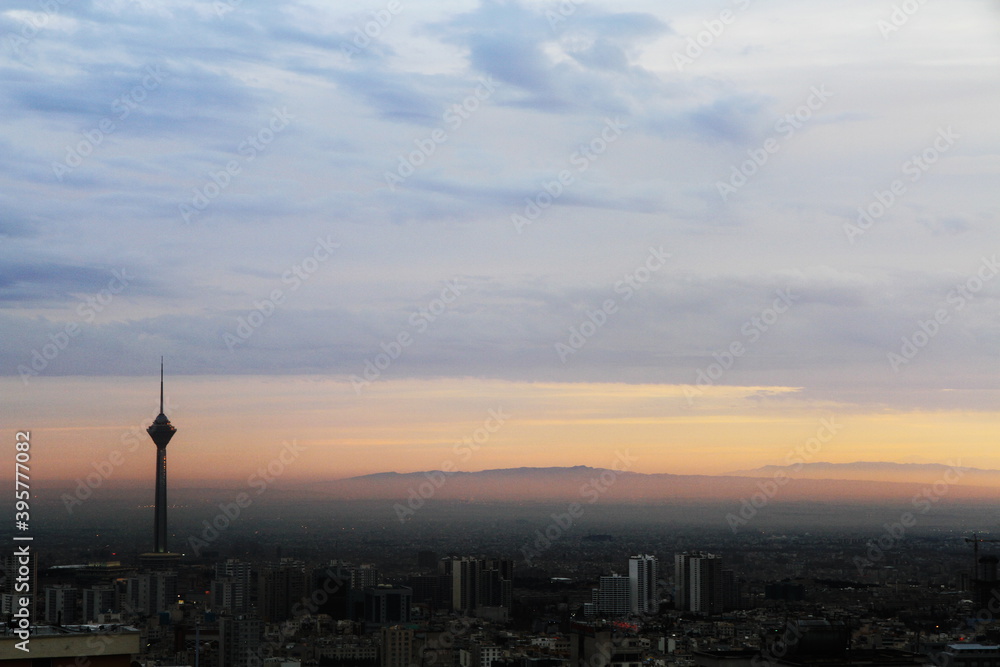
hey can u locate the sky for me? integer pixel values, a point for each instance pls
(710, 235)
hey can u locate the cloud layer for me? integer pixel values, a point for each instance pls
(252, 188)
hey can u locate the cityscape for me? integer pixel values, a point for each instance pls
(499, 333)
(285, 595)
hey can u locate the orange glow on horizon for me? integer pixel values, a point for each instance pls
(230, 427)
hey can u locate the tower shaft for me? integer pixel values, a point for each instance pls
(160, 519)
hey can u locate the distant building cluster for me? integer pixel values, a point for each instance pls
(466, 611)
(244, 604)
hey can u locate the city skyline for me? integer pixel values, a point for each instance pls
(500, 234)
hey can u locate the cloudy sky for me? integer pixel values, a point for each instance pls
(691, 231)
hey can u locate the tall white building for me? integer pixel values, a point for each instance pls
(642, 577)
(611, 599)
(231, 587)
(98, 600)
(60, 604)
(150, 592)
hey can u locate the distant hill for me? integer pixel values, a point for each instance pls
(880, 471)
(585, 485)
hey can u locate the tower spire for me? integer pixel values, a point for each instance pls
(161, 385)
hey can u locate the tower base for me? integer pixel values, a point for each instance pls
(159, 561)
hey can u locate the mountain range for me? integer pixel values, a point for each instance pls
(862, 481)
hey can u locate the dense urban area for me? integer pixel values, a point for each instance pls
(461, 590)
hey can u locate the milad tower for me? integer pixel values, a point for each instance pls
(161, 431)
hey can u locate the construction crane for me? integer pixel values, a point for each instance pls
(975, 539)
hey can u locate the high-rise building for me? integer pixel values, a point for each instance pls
(282, 587)
(698, 582)
(234, 568)
(225, 594)
(334, 580)
(431, 589)
(464, 580)
(230, 589)
(496, 580)
(164, 587)
(150, 592)
(60, 604)
(397, 647)
(681, 577)
(642, 581)
(99, 600)
(481, 582)
(387, 605)
(986, 581)
(365, 576)
(240, 641)
(732, 591)
(611, 598)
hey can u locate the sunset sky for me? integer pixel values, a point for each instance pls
(701, 233)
